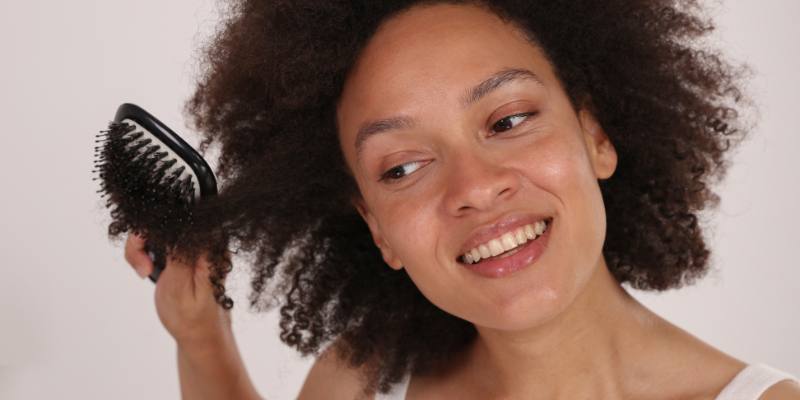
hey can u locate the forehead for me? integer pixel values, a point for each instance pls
(425, 57)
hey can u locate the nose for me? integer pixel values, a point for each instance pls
(478, 183)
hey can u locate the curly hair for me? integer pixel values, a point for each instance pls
(267, 95)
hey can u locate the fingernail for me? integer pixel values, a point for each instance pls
(141, 270)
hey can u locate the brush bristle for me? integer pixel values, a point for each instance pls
(145, 189)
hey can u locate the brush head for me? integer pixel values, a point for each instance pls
(150, 178)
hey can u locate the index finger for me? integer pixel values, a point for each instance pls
(135, 254)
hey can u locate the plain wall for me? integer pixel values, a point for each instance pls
(75, 320)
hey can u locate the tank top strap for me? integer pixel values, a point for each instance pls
(398, 391)
(751, 382)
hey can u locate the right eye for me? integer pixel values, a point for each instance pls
(400, 171)
(508, 123)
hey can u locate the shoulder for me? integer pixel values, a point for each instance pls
(783, 390)
(331, 378)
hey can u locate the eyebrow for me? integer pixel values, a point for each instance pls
(470, 96)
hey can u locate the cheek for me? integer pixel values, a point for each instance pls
(558, 166)
(409, 227)
(566, 173)
(560, 171)
(415, 232)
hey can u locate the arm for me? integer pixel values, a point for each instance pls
(214, 371)
(784, 390)
(209, 364)
(331, 378)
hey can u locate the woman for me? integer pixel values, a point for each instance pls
(513, 164)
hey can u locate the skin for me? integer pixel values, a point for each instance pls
(564, 319)
(548, 165)
(561, 328)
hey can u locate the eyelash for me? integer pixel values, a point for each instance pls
(526, 115)
(387, 176)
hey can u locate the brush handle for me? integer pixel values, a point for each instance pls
(159, 258)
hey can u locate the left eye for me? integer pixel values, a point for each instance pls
(509, 122)
(399, 172)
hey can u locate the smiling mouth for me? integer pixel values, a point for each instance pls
(506, 244)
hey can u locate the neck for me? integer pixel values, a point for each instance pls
(581, 352)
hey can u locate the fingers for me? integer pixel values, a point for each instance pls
(136, 256)
(198, 273)
(184, 284)
(202, 273)
(177, 276)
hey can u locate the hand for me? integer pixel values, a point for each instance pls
(209, 363)
(184, 298)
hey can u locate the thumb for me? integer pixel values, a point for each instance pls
(202, 274)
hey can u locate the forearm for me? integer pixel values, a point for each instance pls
(214, 372)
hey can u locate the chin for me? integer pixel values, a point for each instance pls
(523, 312)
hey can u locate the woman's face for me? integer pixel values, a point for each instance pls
(460, 137)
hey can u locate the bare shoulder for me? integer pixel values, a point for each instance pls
(331, 378)
(784, 390)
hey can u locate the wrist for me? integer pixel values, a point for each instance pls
(214, 334)
(215, 344)
(214, 372)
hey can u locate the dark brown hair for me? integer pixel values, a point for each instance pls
(267, 96)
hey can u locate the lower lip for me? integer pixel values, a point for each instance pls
(504, 266)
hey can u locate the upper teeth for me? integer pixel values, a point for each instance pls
(507, 241)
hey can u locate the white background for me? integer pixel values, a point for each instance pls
(75, 320)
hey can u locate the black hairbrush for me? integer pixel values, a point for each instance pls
(152, 179)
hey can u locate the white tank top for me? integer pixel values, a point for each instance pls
(749, 384)
(752, 382)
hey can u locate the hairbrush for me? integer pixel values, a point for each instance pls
(152, 180)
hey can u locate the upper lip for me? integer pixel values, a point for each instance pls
(495, 229)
